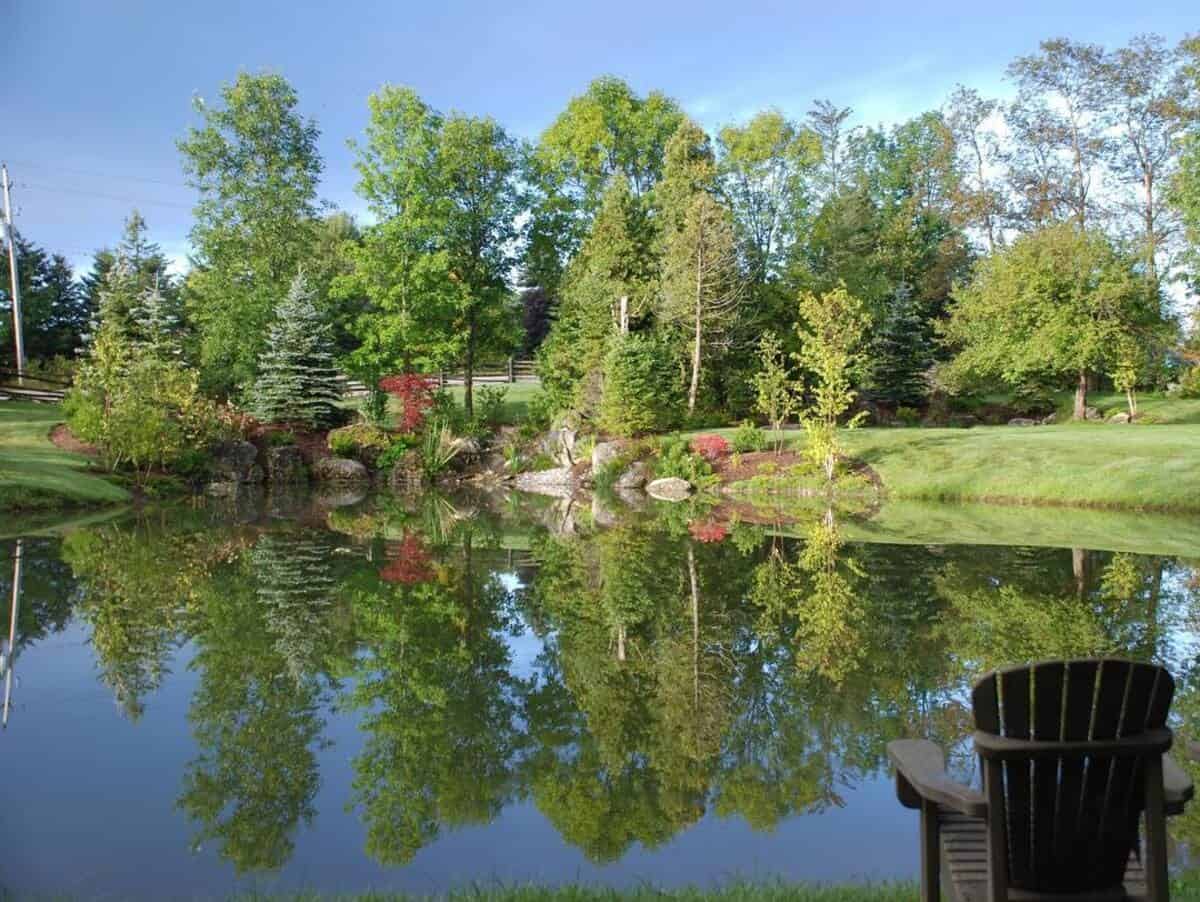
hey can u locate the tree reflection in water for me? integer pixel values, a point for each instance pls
(687, 666)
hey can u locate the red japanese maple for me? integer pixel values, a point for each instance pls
(415, 394)
(408, 561)
(711, 447)
(707, 531)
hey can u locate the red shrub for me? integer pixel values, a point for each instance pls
(711, 447)
(707, 531)
(415, 394)
(408, 561)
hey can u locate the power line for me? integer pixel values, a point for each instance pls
(103, 175)
(137, 202)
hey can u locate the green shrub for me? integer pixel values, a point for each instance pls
(281, 439)
(489, 405)
(676, 459)
(907, 416)
(393, 454)
(360, 441)
(748, 438)
(640, 387)
(1189, 384)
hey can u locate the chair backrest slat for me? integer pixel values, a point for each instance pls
(1070, 821)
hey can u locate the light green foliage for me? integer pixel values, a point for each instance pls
(831, 335)
(360, 441)
(748, 438)
(607, 131)
(689, 168)
(255, 163)
(297, 381)
(676, 459)
(490, 405)
(766, 169)
(1057, 304)
(1185, 187)
(775, 392)
(640, 379)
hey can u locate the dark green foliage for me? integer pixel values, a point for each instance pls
(748, 438)
(641, 390)
(54, 309)
(902, 352)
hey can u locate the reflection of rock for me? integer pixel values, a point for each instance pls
(632, 498)
(1022, 421)
(339, 469)
(558, 481)
(287, 500)
(285, 464)
(236, 462)
(407, 475)
(335, 495)
(634, 477)
(236, 502)
(670, 489)
(562, 515)
(602, 514)
(560, 444)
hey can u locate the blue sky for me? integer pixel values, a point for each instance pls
(103, 88)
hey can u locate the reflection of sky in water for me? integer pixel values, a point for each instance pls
(91, 797)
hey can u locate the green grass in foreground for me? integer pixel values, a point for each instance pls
(34, 474)
(749, 892)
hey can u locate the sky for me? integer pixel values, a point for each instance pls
(97, 92)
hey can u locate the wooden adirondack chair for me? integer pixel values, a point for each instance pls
(1072, 755)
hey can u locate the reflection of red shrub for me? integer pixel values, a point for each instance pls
(415, 394)
(707, 531)
(711, 447)
(408, 561)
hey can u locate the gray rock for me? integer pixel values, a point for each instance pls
(1091, 413)
(670, 489)
(236, 462)
(1049, 419)
(634, 477)
(221, 489)
(1022, 421)
(559, 482)
(407, 475)
(1119, 418)
(560, 444)
(339, 469)
(285, 464)
(604, 453)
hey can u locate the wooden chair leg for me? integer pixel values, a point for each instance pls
(1157, 888)
(993, 776)
(931, 853)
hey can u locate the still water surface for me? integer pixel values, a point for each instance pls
(424, 693)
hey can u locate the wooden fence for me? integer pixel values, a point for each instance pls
(31, 388)
(509, 372)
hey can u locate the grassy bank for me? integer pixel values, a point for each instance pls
(37, 476)
(1084, 465)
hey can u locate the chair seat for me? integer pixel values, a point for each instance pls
(965, 864)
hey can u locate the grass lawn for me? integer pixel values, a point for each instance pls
(749, 892)
(34, 474)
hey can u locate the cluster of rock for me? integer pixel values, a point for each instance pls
(236, 464)
(573, 473)
(1089, 413)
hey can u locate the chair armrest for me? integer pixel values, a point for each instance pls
(1177, 786)
(921, 775)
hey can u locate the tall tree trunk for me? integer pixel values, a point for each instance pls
(469, 369)
(1081, 390)
(1151, 238)
(695, 386)
(1079, 569)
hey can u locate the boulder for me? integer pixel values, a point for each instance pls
(339, 469)
(285, 464)
(560, 444)
(634, 477)
(236, 462)
(670, 489)
(221, 489)
(559, 482)
(604, 453)
(1119, 418)
(1022, 421)
(1049, 419)
(1091, 413)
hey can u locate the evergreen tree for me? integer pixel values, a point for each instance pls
(156, 324)
(903, 351)
(297, 381)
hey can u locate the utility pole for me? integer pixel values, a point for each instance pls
(12, 269)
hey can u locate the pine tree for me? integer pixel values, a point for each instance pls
(157, 326)
(297, 382)
(902, 352)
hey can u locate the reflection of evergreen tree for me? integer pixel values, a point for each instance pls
(295, 587)
(257, 724)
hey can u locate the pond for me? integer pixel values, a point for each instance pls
(340, 693)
